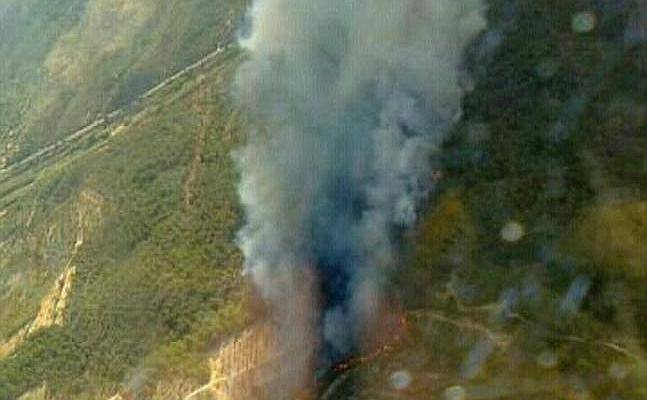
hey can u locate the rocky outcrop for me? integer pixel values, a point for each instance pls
(52, 312)
(53, 307)
(36, 394)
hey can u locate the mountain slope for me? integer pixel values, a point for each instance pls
(66, 61)
(525, 278)
(143, 206)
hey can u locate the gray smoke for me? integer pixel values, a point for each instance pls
(348, 99)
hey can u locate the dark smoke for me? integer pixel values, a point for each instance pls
(349, 100)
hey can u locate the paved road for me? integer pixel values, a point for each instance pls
(103, 121)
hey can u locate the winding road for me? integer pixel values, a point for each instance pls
(102, 121)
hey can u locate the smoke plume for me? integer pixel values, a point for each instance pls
(348, 101)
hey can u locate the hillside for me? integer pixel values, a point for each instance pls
(141, 203)
(120, 275)
(67, 61)
(526, 277)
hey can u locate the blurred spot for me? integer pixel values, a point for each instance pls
(636, 30)
(568, 117)
(462, 291)
(455, 393)
(546, 252)
(547, 359)
(481, 54)
(582, 395)
(507, 301)
(476, 358)
(575, 295)
(583, 22)
(556, 183)
(478, 132)
(137, 380)
(531, 290)
(401, 380)
(488, 43)
(618, 371)
(456, 258)
(512, 231)
(546, 69)
(578, 389)
(492, 39)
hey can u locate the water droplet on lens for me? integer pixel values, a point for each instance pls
(618, 371)
(455, 393)
(583, 22)
(512, 231)
(546, 69)
(547, 359)
(401, 380)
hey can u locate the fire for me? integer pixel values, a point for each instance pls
(389, 344)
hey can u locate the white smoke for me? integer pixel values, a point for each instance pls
(348, 99)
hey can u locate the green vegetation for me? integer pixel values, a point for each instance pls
(552, 141)
(66, 61)
(152, 210)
